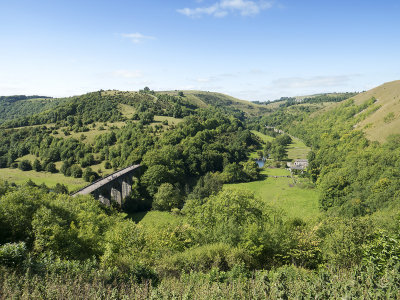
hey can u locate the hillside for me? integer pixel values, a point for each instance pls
(106, 130)
(203, 99)
(12, 107)
(386, 119)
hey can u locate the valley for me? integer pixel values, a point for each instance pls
(201, 206)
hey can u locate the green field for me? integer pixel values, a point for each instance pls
(20, 177)
(297, 149)
(171, 120)
(265, 138)
(281, 193)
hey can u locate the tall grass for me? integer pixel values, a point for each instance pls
(285, 283)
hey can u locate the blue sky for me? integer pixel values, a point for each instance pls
(254, 50)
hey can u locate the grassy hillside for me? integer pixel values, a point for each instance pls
(386, 119)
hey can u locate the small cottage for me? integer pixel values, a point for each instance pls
(298, 165)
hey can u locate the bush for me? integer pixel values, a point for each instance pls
(25, 165)
(51, 167)
(89, 175)
(76, 171)
(167, 197)
(13, 254)
(37, 166)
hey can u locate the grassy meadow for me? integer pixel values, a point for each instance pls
(50, 179)
(282, 192)
(297, 149)
(295, 200)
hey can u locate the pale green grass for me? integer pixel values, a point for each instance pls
(375, 125)
(20, 177)
(104, 171)
(276, 172)
(297, 149)
(126, 110)
(89, 136)
(171, 120)
(29, 157)
(265, 138)
(282, 194)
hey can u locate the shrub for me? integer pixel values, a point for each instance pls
(76, 171)
(25, 165)
(13, 254)
(37, 166)
(167, 197)
(51, 167)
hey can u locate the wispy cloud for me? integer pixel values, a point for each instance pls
(224, 76)
(204, 79)
(137, 37)
(127, 74)
(223, 7)
(312, 82)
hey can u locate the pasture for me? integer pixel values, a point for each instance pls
(295, 200)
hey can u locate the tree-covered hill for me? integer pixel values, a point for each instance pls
(203, 99)
(12, 107)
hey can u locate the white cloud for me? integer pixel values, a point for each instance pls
(224, 7)
(127, 74)
(137, 37)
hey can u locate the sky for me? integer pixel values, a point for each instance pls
(251, 49)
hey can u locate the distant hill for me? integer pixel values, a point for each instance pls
(12, 107)
(203, 99)
(18, 111)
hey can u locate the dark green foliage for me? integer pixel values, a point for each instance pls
(76, 171)
(51, 167)
(207, 185)
(60, 189)
(75, 111)
(13, 107)
(37, 166)
(89, 175)
(232, 173)
(25, 165)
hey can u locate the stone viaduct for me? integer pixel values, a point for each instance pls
(112, 188)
